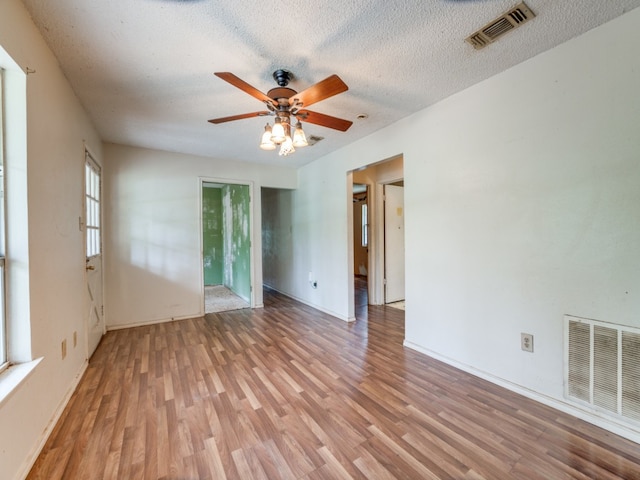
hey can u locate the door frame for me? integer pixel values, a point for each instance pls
(375, 278)
(228, 181)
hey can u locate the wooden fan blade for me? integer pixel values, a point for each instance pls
(328, 87)
(324, 120)
(238, 117)
(245, 87)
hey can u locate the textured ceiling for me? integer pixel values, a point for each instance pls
(143, 69)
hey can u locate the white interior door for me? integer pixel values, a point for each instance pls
(393, 243)
(93, 251)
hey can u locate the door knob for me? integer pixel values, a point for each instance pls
(90, 267)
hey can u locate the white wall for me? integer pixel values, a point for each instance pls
(51, 270)
(152, 242)
(522, 204)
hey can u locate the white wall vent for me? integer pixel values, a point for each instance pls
(603, 366)
(493, 30)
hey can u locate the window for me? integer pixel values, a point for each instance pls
(365, 226)
(3, 323)
(15, 325)
(92, 205)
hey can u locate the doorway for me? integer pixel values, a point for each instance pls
(226, 246)
(385, 249)
(361, 244)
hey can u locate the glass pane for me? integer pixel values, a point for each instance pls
(1, 207)
(93, 184)
(3, 325)
(365, 230)
(92, 242)
(3, 339)
(92, 201)
(88, 180)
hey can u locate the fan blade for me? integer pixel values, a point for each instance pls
(328, 87)
(238, 117)
(245, 87)
(324, 120)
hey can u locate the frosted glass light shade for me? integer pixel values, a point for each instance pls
(287, 147)
(299, 138)
(266, 143)
(277, 132)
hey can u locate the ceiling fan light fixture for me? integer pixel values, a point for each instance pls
(299, 138)
(285, 104)
(287, 147)
(277, 132)
(266, 143)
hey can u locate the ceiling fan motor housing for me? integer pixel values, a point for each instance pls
(281, 92)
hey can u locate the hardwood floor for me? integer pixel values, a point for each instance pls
(288, 392)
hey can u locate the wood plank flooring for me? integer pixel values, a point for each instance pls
(286, 392)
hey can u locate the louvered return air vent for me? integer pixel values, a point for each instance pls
(603, 367)
(515, 17)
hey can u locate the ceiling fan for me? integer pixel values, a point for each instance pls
(286, 104)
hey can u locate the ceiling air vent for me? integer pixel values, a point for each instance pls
(313, 139)
(495, 29)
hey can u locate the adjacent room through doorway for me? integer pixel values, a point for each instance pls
(378, 234)
(360, 245)
(226, 246)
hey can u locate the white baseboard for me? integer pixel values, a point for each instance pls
(317, 307)
(163, 320)
(33, 455)
(152, 322)
(588, 416)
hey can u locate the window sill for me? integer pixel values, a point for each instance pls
(13, 376)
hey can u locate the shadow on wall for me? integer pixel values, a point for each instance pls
(277, 238)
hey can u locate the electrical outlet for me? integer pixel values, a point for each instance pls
(75, 339)
(64, 348)
(526, 342)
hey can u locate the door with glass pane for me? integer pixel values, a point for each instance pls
(93, 250)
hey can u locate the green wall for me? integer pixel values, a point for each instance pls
(226, 237)
(237, 239)
(212, 243)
